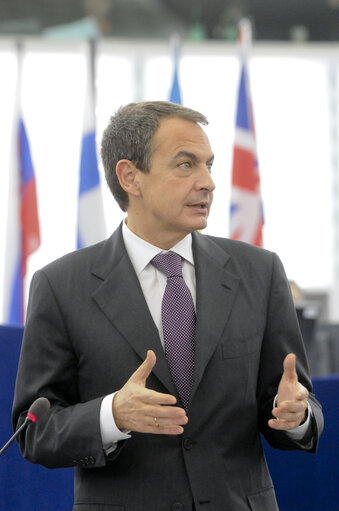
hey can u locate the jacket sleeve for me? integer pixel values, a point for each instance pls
(282, 336)
(69, 434)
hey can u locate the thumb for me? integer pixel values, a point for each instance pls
(290, 372)
(144, 370)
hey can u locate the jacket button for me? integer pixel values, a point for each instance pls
(188, 444)
(92, 460)
(177, 506)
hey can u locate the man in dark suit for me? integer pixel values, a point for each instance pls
(96, 342)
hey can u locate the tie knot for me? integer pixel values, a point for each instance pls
(169, 264)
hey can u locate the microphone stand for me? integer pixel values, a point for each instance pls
(18, 431)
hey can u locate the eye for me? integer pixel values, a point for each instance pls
(185, 165)
(209, 167)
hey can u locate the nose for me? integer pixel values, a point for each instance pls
(205, 181)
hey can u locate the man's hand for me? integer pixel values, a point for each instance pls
(292, 399)
(136, 408)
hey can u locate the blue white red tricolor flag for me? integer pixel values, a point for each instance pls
(175, 94)
(23, 233)
(246, 215)
(91, 222)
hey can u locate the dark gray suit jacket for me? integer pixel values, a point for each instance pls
(88, 329)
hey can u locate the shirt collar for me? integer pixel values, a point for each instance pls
(141, 252)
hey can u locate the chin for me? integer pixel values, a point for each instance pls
(193, 225)
(203, 223)
(200, 226)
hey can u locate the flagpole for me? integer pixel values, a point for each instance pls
(92, 73)
(175, 45)
(245, 38)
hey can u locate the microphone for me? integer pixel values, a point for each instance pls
(35, 412)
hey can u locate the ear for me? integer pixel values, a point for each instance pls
(126, 173)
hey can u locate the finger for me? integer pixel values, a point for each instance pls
(144, 370)
(290, 416)
(282, 425)
(165, 412)
(166, 430)
(158, 426)
(152, 397)
(302, 393)
(290, 407)
(158, 422)
(290, 372)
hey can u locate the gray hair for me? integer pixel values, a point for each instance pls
(129, 136)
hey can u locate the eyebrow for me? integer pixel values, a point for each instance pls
(191, 156)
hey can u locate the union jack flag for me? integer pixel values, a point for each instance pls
(246, 215)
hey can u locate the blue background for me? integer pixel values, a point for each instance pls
(302, 480)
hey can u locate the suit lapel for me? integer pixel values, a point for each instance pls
(121, 299)
(216, 291)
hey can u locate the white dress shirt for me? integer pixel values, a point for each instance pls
(153, 283)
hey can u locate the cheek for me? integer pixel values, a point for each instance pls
(169, 196)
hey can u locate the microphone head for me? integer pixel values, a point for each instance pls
(38, 409)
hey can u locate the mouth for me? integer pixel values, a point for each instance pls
(200, 208)
(199, 205)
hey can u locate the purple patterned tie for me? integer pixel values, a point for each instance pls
(178, 323)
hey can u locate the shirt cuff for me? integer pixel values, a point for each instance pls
(110, 433)
(299, 432)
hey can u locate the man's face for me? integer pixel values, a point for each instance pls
(176, 195)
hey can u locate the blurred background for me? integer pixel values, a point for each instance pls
(294, 74)
(67, 65)
(280, 20)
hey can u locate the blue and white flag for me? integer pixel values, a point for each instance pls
(12, 292)
(175, 94)
(91, 221)
(23, 232)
